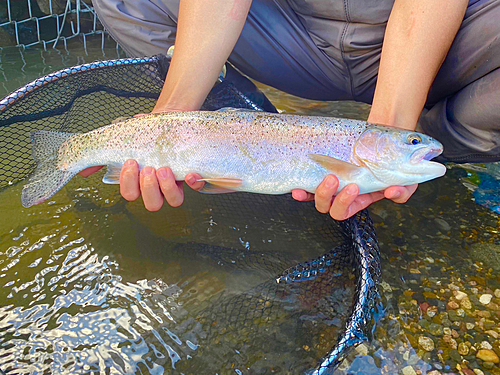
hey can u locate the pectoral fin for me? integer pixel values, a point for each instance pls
(339, 168)
(220, 185)
(112, 175)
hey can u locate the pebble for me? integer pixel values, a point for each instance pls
(452, 305)
(442, 224)
(362, 349)
(408, 370)
(487, 355)
(463, 349)
(469, 326)
(466, 304)
(485, 299)
(432, 311)
(488, 365)
(493, 306)
(426, 343)
(460, 295)
(492, 333)
(486, 345)
(452, 314)
(386, 287)
(435, 329)
(497, 293)
(478, 371)
(450, 341)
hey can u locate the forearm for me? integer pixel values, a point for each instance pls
(417, 39)
(206, 34)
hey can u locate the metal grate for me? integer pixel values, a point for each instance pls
(48, 22)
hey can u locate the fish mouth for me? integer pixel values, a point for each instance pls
(425, 155)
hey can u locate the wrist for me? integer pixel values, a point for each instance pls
(389, 116)
(171, 106)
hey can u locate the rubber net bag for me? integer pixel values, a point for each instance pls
(293, 302)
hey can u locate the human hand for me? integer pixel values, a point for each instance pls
(348, 201)
(155, 186)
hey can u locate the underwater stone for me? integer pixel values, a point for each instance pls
(442, 224)
(466, 304)
(487, 355)
(486, 345)
(463, 349)
(487, 253)
(426, 343)
(455, 356)
(452, 314)
(460, 295)
(485, 299)
(488, 365)
(435, 329)
(492, 333)
(408, 370)
(452, 343)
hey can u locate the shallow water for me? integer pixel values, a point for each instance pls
(93, 283)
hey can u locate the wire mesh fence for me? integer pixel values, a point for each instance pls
(25, 23)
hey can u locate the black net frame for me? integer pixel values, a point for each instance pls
(138, 82)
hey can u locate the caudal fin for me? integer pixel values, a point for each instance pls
(47, 178)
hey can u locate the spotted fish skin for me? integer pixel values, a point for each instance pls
(236, 150)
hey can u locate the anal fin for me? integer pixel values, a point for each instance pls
(112, 175)
(220, 185)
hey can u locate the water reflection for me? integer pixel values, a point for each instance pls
(93, 284)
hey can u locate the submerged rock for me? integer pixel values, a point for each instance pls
(487, 355)
(487, 253)
(426, 343)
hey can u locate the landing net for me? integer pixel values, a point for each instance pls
(327, 302)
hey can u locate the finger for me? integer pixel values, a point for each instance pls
(342, 206)
(325, 192)
(150, 189)
(172, 191)
(192, 179)
(129, 181)
(302, 195)
(88, 171)
(400, 194)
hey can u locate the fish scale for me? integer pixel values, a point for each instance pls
(238, 150)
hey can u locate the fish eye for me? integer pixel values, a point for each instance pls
(413, 139)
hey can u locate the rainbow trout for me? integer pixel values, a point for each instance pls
(239, 150)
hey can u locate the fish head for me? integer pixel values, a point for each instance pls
(398, 157)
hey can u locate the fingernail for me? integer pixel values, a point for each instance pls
(329, 182)
(396, 195)
(129, 163)
(146, 171)
(351, 189)
(190, 180)
(162, 173)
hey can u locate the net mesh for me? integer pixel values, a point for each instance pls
(308, 298)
